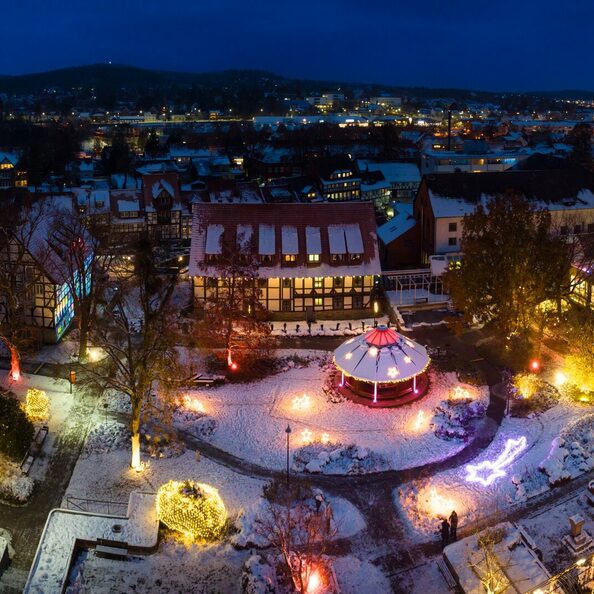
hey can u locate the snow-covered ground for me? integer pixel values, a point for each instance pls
(326, 327)
(252, 418)
(103, 474)
(422, 502)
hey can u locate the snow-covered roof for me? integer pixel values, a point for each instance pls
(336, 239)
(399, 224)
(381, 355)
(214, 233)
(445, 207)
(128, 205)
(393, 172)
(313, 240)
(290, 241)
(354, 241)
(266, 240)
(161, 185)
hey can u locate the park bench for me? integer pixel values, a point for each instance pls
(419, 300)
(34, 449)
(200, 379)
(529, 541)
(447, 574)
(114, 549)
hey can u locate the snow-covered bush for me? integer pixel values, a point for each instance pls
(14, 485)
(258, 577)
(195, 422)
(453, 418)
(106, 437)
(572, 453)
(337, 459)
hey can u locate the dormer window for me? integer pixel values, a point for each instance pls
(355, 258)
(290, 258)
(266, 259)
(336, 258)
(313, 258)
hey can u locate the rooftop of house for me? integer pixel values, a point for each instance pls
(326, 230)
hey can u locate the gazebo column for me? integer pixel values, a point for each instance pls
(415, 384)
(342, 379)
(375, 391)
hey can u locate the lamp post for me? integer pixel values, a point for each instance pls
(288, 432)
(70, 372)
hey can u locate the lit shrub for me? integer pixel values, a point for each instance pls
(195, 509)
(37, 405)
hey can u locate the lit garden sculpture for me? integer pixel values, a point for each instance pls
(382, 368)
(194, 509)
(37, 405)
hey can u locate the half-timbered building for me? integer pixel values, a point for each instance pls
(310, 257)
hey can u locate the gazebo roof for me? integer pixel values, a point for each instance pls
(381, 355)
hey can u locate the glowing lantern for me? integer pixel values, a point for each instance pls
(233, 366)
(306, 436)
(301, 402)
(560, 378)
(439, 506)
(535, 365)
(372, 352)
(37, 405)
(459, 393)
(193, 404)
(195, 509)
(315, 583)
(325, 438)
(420, 420)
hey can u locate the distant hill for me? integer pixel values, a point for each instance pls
(118, 76)
(114, 77)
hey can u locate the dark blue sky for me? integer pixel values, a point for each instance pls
(506, 44)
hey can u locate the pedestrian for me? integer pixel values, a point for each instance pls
(453, 525)
(445, 533)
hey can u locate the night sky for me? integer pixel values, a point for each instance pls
(499, 45)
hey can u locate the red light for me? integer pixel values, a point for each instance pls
(16, 376)
(233, 366)
(535, 364)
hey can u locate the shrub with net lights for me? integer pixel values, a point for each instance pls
(195, 509)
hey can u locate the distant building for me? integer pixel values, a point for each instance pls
(403, 178)
(386, 101)
(10, 175)
(474, 158)
(399, 239)
(443, 200)
(313, 258)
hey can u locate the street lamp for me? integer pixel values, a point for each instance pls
(288, 432)
(71, 372)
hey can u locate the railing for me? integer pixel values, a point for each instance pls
(97, 506)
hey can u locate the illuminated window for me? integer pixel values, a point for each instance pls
(318, 302)
(290, 258)
(312, 258)
(318, 282)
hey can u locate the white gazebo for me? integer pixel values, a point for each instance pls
(384, 366)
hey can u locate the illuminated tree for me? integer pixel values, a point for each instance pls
(137, 330)
(487, 565)
(580, 363)
(301, 533)
(506, 271)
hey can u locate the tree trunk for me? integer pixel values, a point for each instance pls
(15, 362)
(135, 430)
(83, 341)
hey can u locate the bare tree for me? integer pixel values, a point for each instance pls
(302, 535)
(137, 331)
(21, 268)
(233, 313)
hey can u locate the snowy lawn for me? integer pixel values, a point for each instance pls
(252, 418)
(423, 502)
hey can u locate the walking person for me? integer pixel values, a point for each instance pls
(445, 533)
(453, 525)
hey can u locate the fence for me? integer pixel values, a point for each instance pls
(97, 506)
